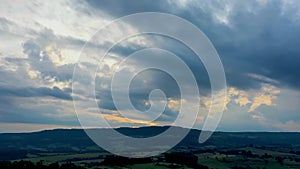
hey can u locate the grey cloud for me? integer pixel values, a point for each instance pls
(261, 40)
(264, 43)
(40, 61)
(13, 110)
(36, 92)
(119, 8)
(9, 27)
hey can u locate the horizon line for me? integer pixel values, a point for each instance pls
(137, 127)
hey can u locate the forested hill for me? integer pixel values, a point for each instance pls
(69, 140)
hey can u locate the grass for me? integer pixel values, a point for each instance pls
(222, 161)
(62, 157)
(259, 151)
(212, 160)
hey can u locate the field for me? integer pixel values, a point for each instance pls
(221, 151)
(226, 158)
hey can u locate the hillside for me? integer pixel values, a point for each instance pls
(18, 145)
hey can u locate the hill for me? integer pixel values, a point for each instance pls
(19, 145)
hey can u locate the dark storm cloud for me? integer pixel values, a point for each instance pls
(259, 38)
(106, 101)
(139, 91)
(159, 79)
(118, 8)
(263, 42)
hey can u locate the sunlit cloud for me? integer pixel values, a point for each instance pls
(265, 97)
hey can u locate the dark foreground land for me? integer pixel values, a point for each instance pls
(72, 149)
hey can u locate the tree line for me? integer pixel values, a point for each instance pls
(38, 165)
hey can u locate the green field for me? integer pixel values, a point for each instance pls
(219, 159)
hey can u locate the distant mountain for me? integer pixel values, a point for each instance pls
(76, 140)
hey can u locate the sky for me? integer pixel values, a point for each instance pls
(41, 42)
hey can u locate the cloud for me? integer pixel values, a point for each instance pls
(257, 42)
(287, 126)
(118, 119)
(242, 101)
(251, 99)
(174, 105)
(266, 97)
(42, 110)
(36, 92)
(117, 8)
(30, 127)
(261, 100)
(290, 125)
(231, 25)
(231, 39)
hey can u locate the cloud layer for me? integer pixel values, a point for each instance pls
(257, 41)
